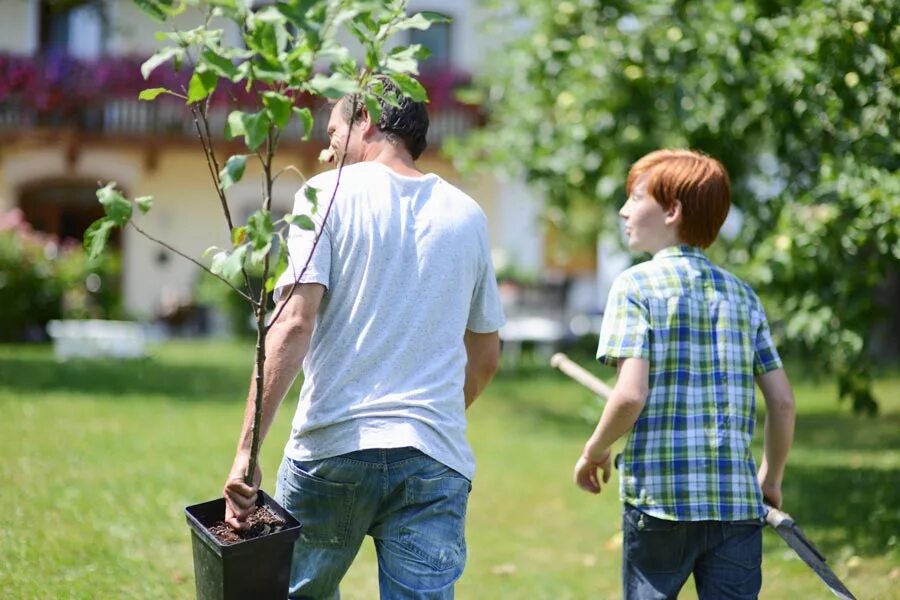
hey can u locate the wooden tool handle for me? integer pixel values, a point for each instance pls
(776, 517)
(580, 374)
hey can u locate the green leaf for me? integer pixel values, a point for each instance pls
(96, 236)
(233, 171)
(335, 85)
(252, 126)
(211, 249)
(281, 264)
(162, 56)
(201, 85)
(116, 206)
(228, 265)
(257, 128)
(258, 255)
(227, 4)
(238, 235)
(374, 108)
(144, 203)
(220, 65)
(234, 124)
(301, 221)
(312, 194)
(422, 21)
(259, 229)
(279, 107)
(406, 60)
(151, 8)
(266, 33)
(306, 121)
(152, 93)
(410, 87)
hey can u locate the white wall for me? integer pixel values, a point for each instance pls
(18, 26)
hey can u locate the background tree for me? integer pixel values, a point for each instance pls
(799, 100)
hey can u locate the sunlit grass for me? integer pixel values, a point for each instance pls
(99, 460)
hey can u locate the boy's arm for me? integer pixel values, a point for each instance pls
(620, 413)
(779, 433)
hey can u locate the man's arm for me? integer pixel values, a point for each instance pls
(779, 433)
(482, 362)
(286, 344)
(620, 413)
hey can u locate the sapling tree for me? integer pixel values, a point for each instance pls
(269, 81)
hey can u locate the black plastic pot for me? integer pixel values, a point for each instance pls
(259, 568)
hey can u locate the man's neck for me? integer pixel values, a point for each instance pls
(396, 160)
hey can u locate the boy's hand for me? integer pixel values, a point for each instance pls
(771, 492)
(586, 471)
(770, 485)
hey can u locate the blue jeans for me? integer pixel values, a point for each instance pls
(413, 506)
(659, 556)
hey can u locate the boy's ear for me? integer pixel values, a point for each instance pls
(673, 215)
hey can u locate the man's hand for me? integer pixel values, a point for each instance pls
(586, 471)
(240, 498)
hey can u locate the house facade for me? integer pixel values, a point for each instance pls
(70, 118)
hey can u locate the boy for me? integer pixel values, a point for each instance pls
(688, 339)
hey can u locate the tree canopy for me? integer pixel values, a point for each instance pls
(798, 99)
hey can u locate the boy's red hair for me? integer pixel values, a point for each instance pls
(698, 181)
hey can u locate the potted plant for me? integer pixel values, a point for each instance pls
(267, 83)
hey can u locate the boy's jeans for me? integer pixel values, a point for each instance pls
(412, 505)
(658, 557)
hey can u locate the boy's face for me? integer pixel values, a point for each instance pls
(648, 226)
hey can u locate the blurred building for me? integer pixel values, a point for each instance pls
(70, 118)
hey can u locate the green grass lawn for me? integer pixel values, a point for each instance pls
(100, 458)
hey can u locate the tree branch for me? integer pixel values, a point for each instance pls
(193, 260)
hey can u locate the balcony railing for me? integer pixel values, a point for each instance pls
(39, 93)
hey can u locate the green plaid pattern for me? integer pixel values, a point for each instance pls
(705, 334)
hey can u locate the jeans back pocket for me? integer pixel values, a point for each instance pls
(323, 508)
(653, 545)
(433, 526)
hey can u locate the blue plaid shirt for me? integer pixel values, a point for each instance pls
(705, 335)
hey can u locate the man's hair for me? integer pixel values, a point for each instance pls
(698, 181)
(406, 123)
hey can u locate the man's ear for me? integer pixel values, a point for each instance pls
(366, 124)
(673, 215)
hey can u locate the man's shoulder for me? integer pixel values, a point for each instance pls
(350, 176)
(463, 199)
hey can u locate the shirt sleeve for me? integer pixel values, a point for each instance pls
(485, 312)
(765, 355)
(625, 329)
(302, 242)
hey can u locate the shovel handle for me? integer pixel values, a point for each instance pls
(776, 517)
(580, 374)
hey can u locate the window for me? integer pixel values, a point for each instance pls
(437, 39)
(75, 28)
(64, 207)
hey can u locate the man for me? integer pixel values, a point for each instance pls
(395, 324)
(688, 338)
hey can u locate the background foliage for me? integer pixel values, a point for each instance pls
(799, 100)
(42, 278)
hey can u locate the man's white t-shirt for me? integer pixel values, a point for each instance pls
(407, 267)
